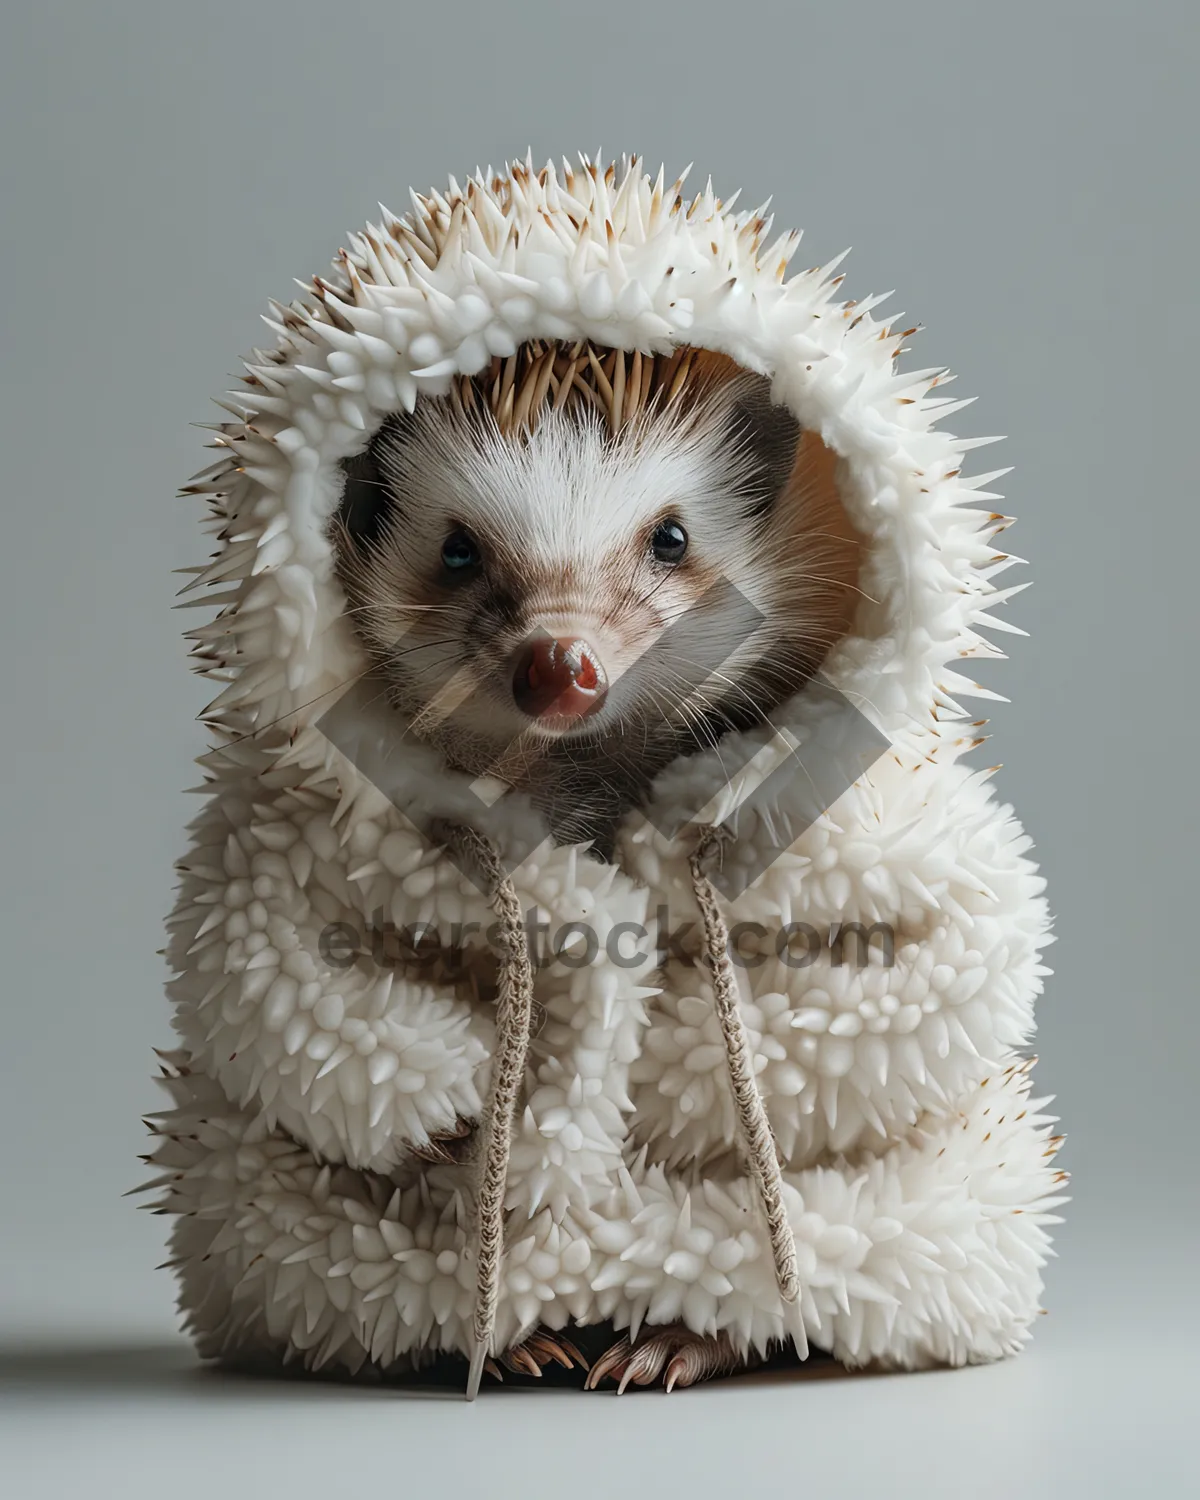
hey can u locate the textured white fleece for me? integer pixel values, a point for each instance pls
(920, 1175)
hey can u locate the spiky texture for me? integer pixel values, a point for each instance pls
(553, 376)
(308, 1098)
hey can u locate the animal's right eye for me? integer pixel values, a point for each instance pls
(460, 552)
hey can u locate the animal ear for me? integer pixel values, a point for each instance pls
(767, 438)
(367, 498)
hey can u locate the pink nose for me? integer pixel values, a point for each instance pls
(558, 679)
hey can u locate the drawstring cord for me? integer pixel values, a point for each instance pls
(748, 1100)
(514, 1013)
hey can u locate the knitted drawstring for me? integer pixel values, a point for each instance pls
(748, 1100)
(514, 1012)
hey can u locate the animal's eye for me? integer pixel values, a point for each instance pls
(460, 551)
(669, 542)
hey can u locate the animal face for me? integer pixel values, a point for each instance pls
(582, 581)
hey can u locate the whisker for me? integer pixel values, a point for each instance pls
(292, 712)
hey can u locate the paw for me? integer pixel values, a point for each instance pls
(535, 1353)
(680, 1356)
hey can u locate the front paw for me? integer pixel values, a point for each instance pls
(532, 1355)
(680, 1356)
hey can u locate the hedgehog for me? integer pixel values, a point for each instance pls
(593, 601)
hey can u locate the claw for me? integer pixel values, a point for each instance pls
(646, 1363)
(702, 1361)
(574, 1351)
(540, 1349)
(608, 1362)
(520, 1361)
(687, 1357)
(545, 1347)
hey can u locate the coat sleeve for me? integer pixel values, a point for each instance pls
(291, 993)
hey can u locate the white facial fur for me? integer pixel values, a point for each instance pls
(563, 518)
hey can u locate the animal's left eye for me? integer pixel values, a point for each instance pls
(669, 542)
(459, 552)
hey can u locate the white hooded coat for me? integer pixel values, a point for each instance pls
(919, 1176)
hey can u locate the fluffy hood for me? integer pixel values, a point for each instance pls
(612, 256)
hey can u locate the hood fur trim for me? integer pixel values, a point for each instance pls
(610, 255)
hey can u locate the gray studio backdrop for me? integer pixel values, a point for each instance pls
(1023, 175)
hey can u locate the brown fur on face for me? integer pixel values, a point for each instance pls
(559, 463)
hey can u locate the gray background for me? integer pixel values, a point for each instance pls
(1025, 176)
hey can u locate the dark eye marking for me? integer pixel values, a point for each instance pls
(669, 542)
(367, 500)
(460, 552)
(767, 436)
